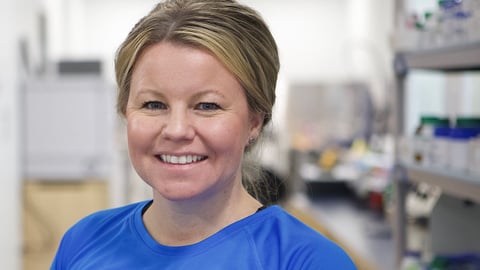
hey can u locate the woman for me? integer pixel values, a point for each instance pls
(196, 86)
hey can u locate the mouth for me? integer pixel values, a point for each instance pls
(182, 160)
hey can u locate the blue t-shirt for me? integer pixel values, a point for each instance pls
(269, 239)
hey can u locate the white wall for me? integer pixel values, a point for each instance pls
(312, 35)
(18, 23)
(368, 48)
(319, 40)
(79, 29)
(9, 155)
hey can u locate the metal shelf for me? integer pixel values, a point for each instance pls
(465, 57)
(458, 184)
(456, 58)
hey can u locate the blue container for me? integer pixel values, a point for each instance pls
(463, 133)
(442, 132)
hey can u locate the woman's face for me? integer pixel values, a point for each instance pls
(188, 122)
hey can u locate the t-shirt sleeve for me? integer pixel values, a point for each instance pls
(74, 238)
(314, 251)
(325, 257)
(59, 260)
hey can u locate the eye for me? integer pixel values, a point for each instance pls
(207, 106)
(154, 105)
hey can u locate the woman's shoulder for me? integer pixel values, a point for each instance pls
(281, 222)
(89, 235)
(297, 241)
(106, 219)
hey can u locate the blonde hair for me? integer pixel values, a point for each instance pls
(234, 33)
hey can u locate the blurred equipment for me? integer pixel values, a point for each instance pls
(68, 124)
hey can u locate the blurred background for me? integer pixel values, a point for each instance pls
(350, 130)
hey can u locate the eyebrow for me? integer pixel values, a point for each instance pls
(156, 93)
(207, 92)
(142, 91)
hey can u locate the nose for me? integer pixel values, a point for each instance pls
(178, 126)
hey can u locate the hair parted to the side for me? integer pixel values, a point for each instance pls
(236, 34)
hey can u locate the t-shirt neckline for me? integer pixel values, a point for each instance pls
(199, 247)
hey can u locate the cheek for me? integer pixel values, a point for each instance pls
(228, 135)
(139, 133)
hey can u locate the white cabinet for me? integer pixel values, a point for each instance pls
(68, 128)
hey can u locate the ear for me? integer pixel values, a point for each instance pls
(256, 124)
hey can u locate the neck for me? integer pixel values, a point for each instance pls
(174, 223)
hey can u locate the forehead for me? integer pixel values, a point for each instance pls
(173, 55)
(173, 66)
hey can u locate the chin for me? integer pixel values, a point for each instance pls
(179, 194)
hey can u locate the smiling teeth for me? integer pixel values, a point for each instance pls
(181, 159)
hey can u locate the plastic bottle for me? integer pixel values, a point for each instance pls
(473, 22)
(422, 141)
(460, 138)
(454, 19)
(473, 151)
(440, 147)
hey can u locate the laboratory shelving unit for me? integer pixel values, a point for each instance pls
(458, 58)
